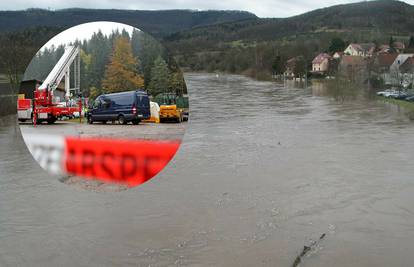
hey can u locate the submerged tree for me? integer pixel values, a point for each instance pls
(121, 74)
(300, 67)
(278, 66)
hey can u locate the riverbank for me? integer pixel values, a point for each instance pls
(408, 106)
(250, 73)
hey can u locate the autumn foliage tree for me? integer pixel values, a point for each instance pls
(121, 73)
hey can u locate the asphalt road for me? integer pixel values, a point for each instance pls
(148, 131)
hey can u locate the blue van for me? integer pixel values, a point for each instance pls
(124, 107)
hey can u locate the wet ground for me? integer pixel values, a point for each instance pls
(263, 170)
(148, 131)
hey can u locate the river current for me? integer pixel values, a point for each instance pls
(264, 169)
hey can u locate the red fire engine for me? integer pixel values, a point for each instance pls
(45, 106)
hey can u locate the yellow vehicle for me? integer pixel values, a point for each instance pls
(169, 111)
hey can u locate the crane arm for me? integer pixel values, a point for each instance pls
(61, 69)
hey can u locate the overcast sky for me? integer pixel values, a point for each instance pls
(85, 31)
(262, 8)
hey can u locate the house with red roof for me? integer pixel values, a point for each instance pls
(353, 67)
(383, 61)
(290, 67)
(398, 48)
(338, 55)
(320, 64)
(361, 49)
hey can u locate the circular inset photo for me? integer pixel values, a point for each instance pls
(103, 106)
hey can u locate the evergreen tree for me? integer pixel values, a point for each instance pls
(85, 66)
(411, 42)
(337, 44)
(99, 50)
(96, 64)
(125, 34)
(159, 77)
(149, 51)
(17, 50)
(135, 42)
(177, 83)
(278, 66)
(410, 47)
(121, 73)
(300, 67)
(391, 44)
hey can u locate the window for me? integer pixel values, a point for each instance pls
(142, 101)
(97, 102)
(123, 100)
(105, 103)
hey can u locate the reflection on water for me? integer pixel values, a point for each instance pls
(343, 91)
(263, 170)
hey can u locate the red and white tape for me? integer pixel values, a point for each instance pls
(130, 162)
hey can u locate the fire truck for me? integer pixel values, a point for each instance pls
(45, 105)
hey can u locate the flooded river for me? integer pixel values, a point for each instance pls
(263, 170)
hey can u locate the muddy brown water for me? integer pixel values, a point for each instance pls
(263, 170)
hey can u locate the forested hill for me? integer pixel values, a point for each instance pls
(158, 23)
(366, 18)
(232, 41)
(260, 47)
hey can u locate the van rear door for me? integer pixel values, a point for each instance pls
(143, 105)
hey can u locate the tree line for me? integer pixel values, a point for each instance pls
(263, 59)
(17, 48)
(116, 62)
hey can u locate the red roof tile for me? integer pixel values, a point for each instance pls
(320, 58)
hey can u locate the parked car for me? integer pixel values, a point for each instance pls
(381, 93)
(124, 107)
(401, 95)
(395, 94)
(387, 93)
(410, 98)
(391, 94)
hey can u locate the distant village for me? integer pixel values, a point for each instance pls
(385, 65)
